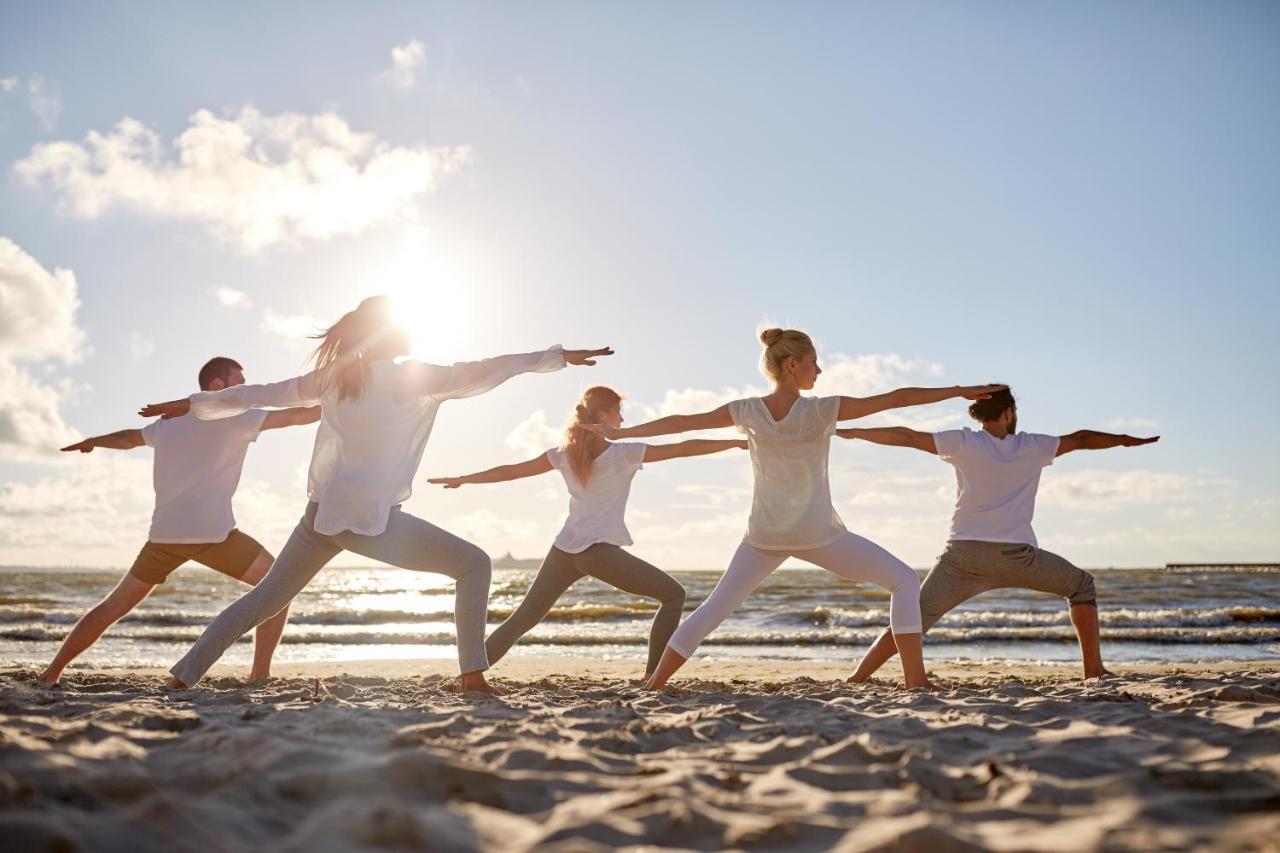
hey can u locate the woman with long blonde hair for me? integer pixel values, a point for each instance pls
(376, 416)
(789, 436)
(598, 474)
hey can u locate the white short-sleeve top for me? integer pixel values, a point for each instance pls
(996, 482)
(196, 471)
(791, 501)
(597, 510)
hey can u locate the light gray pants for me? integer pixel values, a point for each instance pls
(609, 563)
(968, 568)
(408, 543)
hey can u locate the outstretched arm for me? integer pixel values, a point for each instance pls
(501, 474)
(1088, 439)
(291, 417)
(714, 419)
(469, 378)
(692, 447)
(893, 437)
(860, 407)
(125, 439)
(238, 399)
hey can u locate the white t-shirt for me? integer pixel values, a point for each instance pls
(368, 450)
(791, 502)
(196, 470)
(996, 482)
(597, 510)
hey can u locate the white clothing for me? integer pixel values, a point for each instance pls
(597, 510)
(367, 450)
(195, 473)
(791, 502)
(996, 482)
(849, 556)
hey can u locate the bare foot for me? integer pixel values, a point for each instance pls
(49, 678)
(853, 679)
(255, 677)
(470, 682)
(1106, 673)
(174, 684)
(926, 686)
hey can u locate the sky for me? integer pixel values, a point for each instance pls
(1077, 199)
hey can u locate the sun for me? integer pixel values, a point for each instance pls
(430, 300)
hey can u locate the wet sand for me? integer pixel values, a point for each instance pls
(761, 756)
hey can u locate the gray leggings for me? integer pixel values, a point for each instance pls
(609, 563)
(408, 542)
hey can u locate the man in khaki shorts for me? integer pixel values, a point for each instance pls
(992, 545)
(195, 473)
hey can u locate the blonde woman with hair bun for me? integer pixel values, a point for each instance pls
(789, 435)
(598, 474)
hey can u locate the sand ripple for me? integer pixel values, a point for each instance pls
(565, 763)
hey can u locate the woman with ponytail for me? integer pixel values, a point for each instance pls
(789, 435)
(598, 475)
(376, 415)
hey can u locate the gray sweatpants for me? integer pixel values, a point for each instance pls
(967, 568)
(609, 563)
(408, 542)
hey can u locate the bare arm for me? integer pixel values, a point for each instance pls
(714, 419)
(893, 437)
(125, 439)
(1088, 439)
(501, 474)
(692, 447)
(291, 417)
(860, 407)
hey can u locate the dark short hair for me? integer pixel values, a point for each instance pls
(218, 367)
(993, 407)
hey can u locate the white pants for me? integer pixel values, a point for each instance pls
(850, 556)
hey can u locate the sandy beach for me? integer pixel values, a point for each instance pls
(765, 756)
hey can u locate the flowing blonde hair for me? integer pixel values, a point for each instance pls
(340, 358)
(582, 446)
(779, 344)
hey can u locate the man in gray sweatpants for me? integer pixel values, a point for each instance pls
(992, 545)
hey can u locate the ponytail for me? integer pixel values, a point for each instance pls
(582, 446)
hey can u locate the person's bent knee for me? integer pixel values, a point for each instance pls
(1086, 593)
(675, 594)
(478, 563)
(905, 581)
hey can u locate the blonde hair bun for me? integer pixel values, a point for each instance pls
(769, 337)
(779, 345)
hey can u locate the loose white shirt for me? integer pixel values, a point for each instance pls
(195, 474)
(791, 500)
(996, 482)
(367, 450)
(597, 510)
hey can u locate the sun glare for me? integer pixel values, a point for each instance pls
(429, 298)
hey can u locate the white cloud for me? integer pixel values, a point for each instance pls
(231, 298)
(1132, 425)
(37, 324)
(534, 435)
(7, 84)
(712, 495)
(406, 60)
(251, 180)
(140, 346)
(45, 100)
(89, 506)
(1103, 489)
(297, 327)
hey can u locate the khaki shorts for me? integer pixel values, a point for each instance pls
(232, 557)
(968, 568)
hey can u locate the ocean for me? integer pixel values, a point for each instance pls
(1148, 615)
